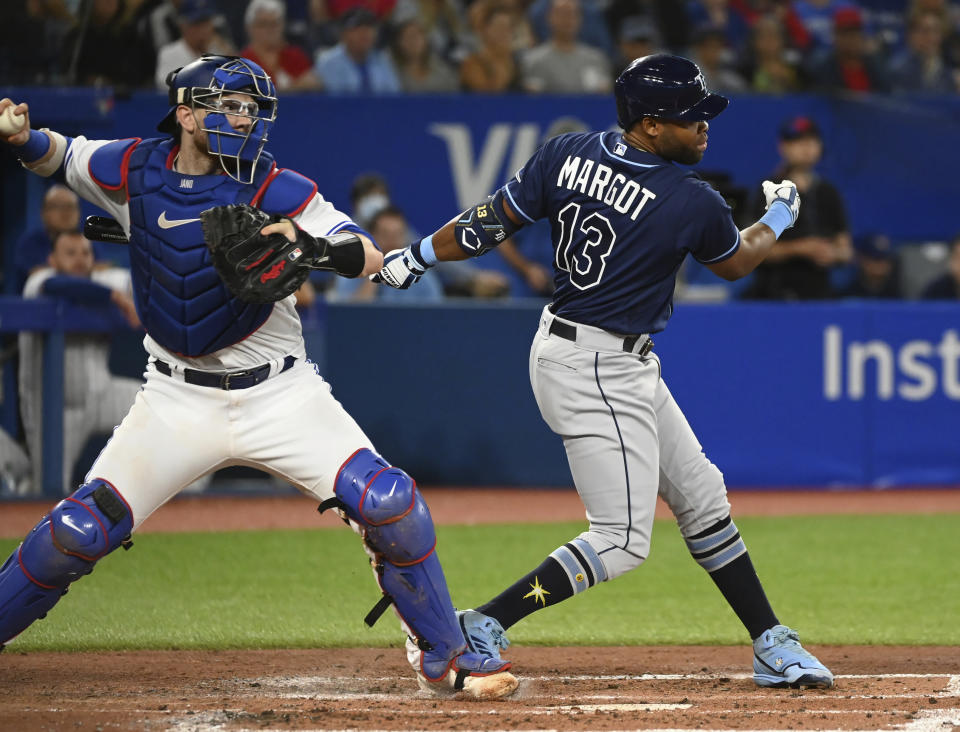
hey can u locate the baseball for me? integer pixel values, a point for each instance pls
(10, 122)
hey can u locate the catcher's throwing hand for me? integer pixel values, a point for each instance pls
(785, 192)
(401, 268)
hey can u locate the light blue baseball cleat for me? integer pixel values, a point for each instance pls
(780, 661)
(484, 635)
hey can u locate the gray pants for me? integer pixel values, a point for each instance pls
(626, 440)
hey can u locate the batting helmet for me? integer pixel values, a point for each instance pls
(202, 84)
(665, 86)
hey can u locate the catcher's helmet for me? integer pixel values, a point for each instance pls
(202, 84)
(665, 86)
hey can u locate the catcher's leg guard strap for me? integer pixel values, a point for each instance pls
(397, 525)
(60, 549)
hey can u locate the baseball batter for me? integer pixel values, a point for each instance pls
(227, 381)
(623, 217)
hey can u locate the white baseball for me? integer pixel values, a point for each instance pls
(10, 122)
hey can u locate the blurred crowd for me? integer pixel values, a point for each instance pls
(533, 46)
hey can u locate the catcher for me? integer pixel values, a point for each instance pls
(227, 380)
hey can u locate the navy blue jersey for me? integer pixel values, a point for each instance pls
(621, 220)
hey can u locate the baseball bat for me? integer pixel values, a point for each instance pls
(103, 228)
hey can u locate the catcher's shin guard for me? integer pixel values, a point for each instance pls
(60, 549)
(397, 526)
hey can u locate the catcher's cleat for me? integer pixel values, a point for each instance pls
(780, 661)
(484, 635)
(476, 676)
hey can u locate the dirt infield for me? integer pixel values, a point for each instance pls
(879, 688)
(486, 505)
(889, 688)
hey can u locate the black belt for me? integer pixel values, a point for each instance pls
(569, 332)
(232, 380)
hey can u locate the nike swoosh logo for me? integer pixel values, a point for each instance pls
(166, 223)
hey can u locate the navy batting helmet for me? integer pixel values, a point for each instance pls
(664, 86)
(203, 84)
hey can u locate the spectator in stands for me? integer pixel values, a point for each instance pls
(158, 24)
(418, 67)
(444, 23)
(637, 36)
(921, 66)
(877, 273)
(798, 268)
(947, 285)
(493, 66)
(817, 16)
(771, 67)
(354, 65)
(104, 50)
(198, 35)
(592, 28)
(711, 53)
(59, 212)
(668, 17)
(850, 65)
(31, 35)
(94, 400)
(381, 9)
(719, 14)
(288, 65)
(369, 195)
(562, 65)
(390, 230)
(15, 470)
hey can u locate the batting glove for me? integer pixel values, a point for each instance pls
(401, 268)
(786, 193)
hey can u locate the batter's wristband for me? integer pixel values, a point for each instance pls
(778, 217)
(34, 148)
(422, 251)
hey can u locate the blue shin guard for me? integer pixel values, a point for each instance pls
(397, 526)
(59, 550)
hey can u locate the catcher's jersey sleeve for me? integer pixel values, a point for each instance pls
(321, 218)
(76, 168)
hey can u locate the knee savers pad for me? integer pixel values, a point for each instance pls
(60, 549)
(397, 525)
(385, 501)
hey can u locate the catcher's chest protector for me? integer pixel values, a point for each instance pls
(180, 299)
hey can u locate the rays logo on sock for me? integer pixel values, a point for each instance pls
(538, 592)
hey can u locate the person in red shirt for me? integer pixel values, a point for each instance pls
(288, 65)
(380, 8)
(850, 65)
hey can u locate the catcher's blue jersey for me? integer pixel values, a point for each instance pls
(621, 220)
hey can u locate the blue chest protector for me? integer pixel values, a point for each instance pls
(180, 299)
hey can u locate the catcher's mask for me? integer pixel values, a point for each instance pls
(202, 84)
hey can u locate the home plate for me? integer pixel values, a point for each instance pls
(623, 707)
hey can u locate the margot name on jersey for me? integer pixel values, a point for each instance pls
(617, 192)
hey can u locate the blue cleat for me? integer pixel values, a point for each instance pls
(484, 635)
(780, 661)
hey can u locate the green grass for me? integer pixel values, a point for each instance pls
(863, 580)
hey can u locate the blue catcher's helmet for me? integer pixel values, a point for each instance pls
(664, 86)
(204, 84)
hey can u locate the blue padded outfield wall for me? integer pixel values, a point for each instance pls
(850, 394)
(779, 395)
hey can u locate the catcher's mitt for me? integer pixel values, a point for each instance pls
(255, 268)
